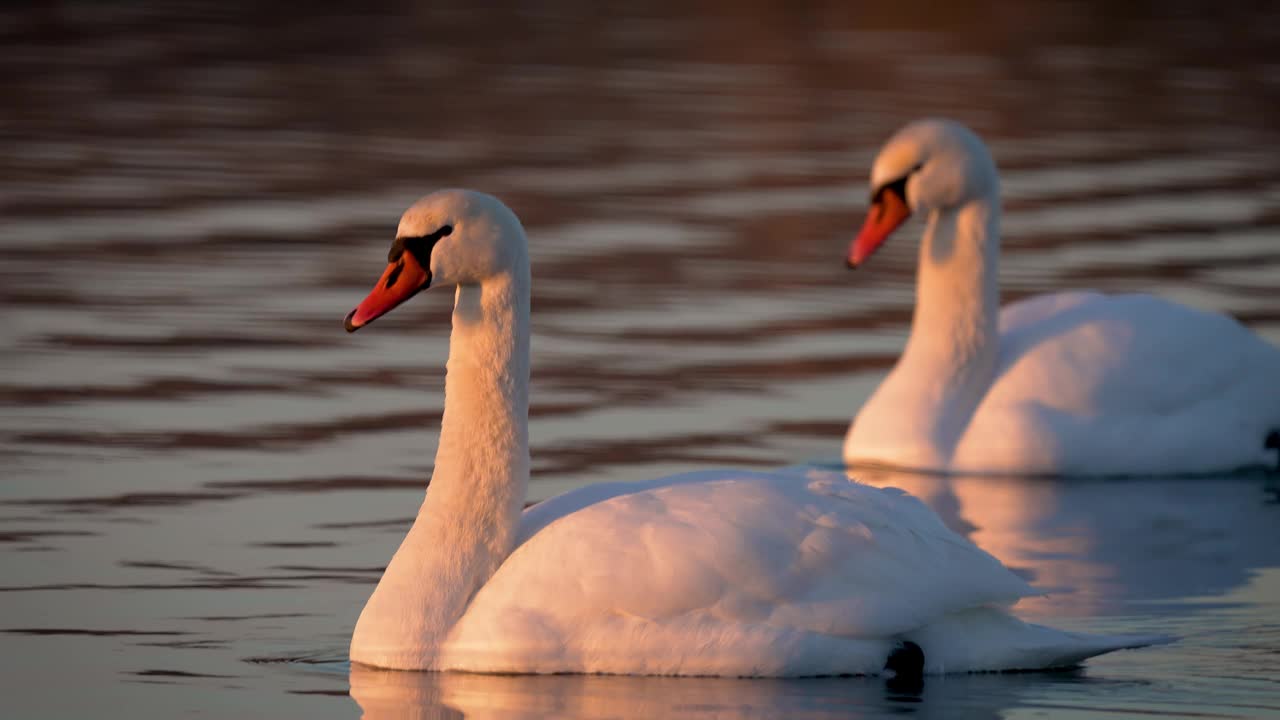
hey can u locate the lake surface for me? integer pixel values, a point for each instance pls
(203, 475)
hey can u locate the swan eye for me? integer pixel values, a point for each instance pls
(897, 187)
(420, 246)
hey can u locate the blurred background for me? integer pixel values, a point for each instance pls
(203, 474)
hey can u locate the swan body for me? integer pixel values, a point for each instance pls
(736, 573)
(1073, 383)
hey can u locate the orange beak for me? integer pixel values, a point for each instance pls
(887, 212)
(402, 279)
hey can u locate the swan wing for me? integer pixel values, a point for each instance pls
(1135, 353)
(725, 573)
(1123, 384)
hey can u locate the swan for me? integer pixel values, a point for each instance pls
(729, 573)
(1071, 383)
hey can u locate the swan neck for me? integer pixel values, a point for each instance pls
(482, 462)
(958, 286)
(951, 357)
(467, 525)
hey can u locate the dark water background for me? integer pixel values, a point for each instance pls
(201, 475)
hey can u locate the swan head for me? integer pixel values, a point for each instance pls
(450, 237)
(927, 166)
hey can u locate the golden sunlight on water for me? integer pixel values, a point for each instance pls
(203, 475)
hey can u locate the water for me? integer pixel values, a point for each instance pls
(203, 475)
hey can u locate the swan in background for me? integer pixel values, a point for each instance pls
(708, 573)
(1073, 383)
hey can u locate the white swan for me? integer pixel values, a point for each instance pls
(1075, 383)
(710, 573)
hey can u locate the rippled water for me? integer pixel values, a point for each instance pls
(203, 475)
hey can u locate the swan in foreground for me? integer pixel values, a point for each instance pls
(1073, 383)
(709, 573)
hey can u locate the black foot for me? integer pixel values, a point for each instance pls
(1273, 443)
(907, 663)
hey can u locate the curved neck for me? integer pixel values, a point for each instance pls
(468, 522)
(955, 329)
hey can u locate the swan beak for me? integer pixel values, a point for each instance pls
(402, 279)
(887, 212)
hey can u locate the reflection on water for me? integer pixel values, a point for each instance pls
(1097, 546)
(382, 694)
(200, 468)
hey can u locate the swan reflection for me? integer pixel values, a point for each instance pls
(1096, 546)
(387, 694)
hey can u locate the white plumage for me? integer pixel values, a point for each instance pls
(1074, 383)
(734, 573)
(739, 573)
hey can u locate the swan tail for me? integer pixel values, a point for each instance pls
(991, 640)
